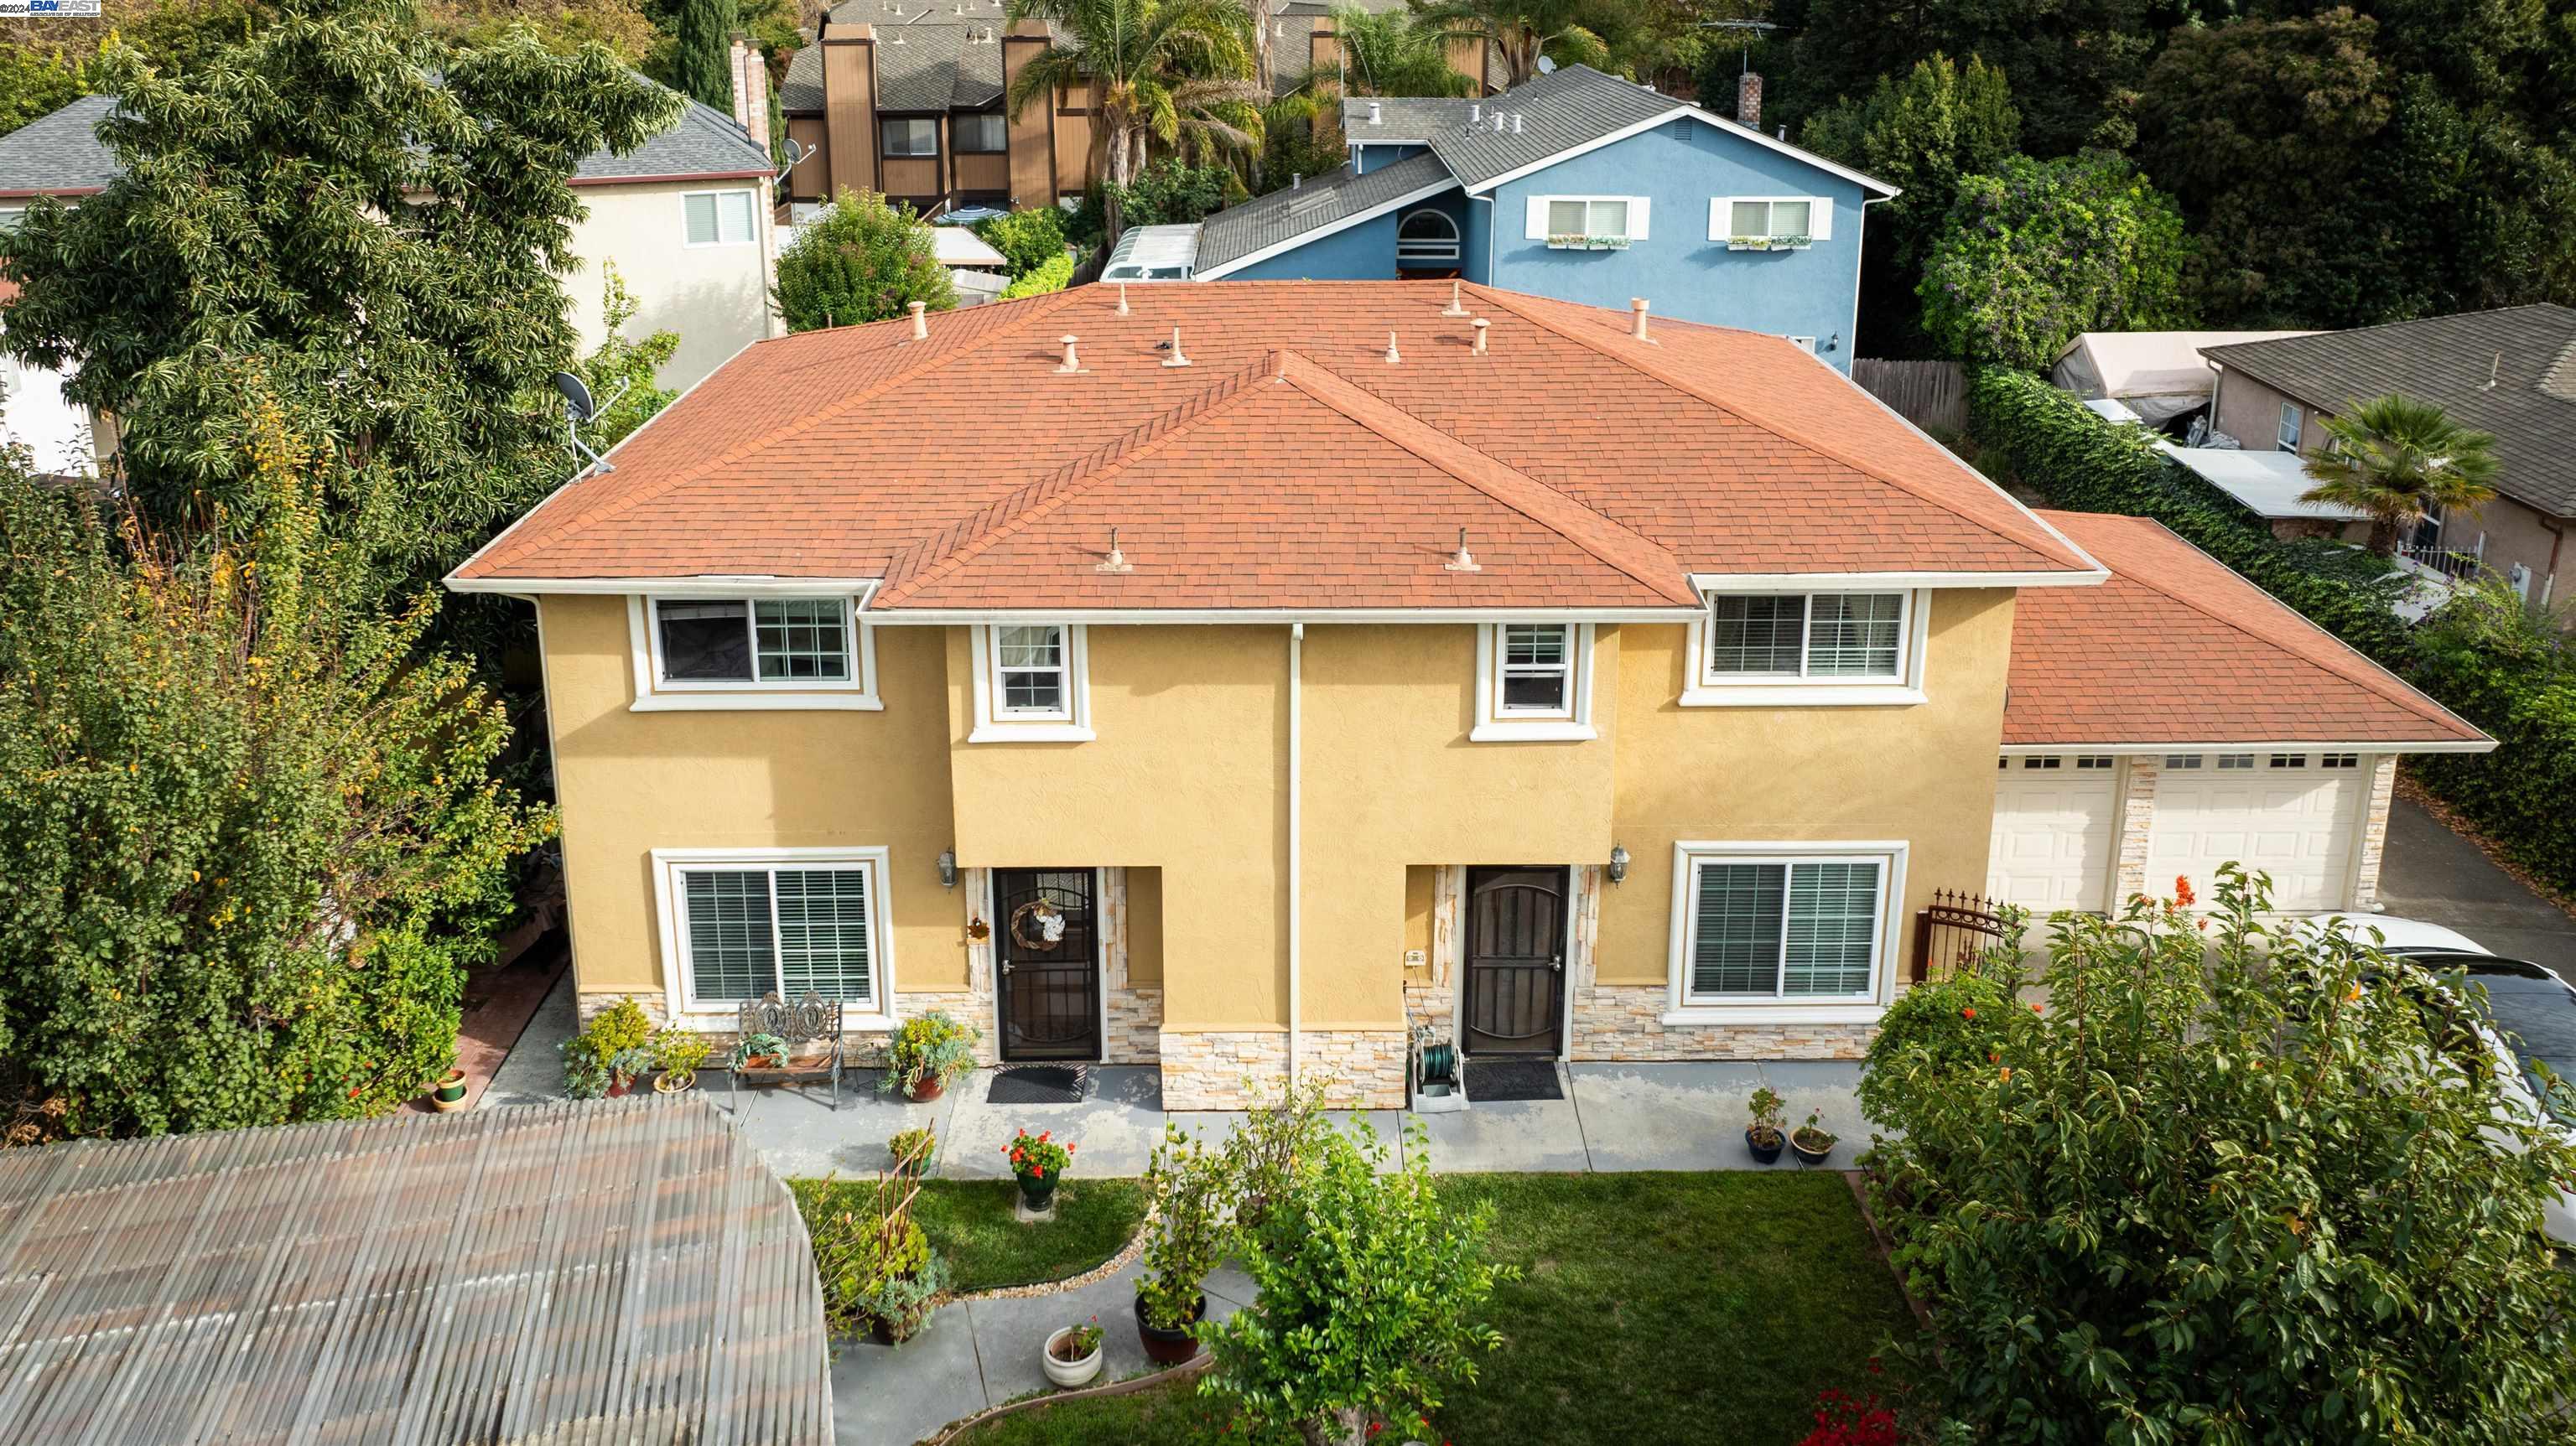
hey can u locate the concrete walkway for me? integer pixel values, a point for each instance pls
(2433, 874)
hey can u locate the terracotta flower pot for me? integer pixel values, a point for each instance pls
(448, 1095)
(618, 1085)
(667, 1083)
(1169, 1348)
(926, 1090)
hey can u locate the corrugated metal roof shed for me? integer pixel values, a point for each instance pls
(622, 1271)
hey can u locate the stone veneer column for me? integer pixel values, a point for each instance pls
(1233, 1069)
(2374, 831)
(2137, 826)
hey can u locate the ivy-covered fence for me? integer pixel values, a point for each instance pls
(2525, 698)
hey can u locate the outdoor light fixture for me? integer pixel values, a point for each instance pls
(948, 868)
(1618, 864)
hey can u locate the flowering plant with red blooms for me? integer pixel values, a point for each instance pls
(2182, 890)
(1039, 1156)
(1843, 1419)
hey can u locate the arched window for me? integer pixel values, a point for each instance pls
(1427, 238)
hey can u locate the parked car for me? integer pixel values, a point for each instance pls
(2529, 1021)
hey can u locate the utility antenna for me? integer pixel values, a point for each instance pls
(579, 408)
(1757, 28)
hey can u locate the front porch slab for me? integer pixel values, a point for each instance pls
(1534, 1135)
(1114, 1128)
(1655, 1116)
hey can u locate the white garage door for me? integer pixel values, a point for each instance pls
(2295, 816)
(2055, 832)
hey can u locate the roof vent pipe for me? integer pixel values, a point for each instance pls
(1296, 179)
(1176, 359)
(1784, 133)
(1481, 325)
(1071, 362)
(920, 322)
(1116, 561)
(1377, 113)
(1456, 306)
(1122, 298)
(1462, 560)
(1392, 355)
(1476, 113)
(1516, 122)
(1637, 317)
(1498, 122)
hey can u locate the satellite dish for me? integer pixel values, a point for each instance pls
(1546, 66)
(796, 154)
(576, 396)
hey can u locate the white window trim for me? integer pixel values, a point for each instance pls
(750, 216)
(2292, 428)
(1073, 726)
(654, 694)
(1640, 218)
(1493, 725)
(720, 1016)
(1890, 854)
(1906, 689)
(1721, 222)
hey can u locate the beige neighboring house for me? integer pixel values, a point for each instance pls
(685, 218)
(2510, 372)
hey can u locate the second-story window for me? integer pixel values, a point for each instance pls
(717, 218)
(981, 133)
(1770, 223)
(2289, 434)
(911, 137)
(1797, 635)
(1588, 222)
(765, 640)
(1029, 664)
(1534, 682)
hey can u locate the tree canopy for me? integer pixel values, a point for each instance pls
(861, 260)
(2038, 252)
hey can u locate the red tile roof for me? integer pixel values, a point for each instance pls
(2176, 648)
(1291, 465)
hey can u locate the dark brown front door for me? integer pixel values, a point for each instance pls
(1515, 961)
(1047, 961)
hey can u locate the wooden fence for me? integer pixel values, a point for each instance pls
(1932, 395)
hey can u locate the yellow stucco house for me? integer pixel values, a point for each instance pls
(1240, 676)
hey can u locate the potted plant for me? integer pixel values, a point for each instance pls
(925, 1052)
(590, 1058)
(679, 1054)
(759, 1051)
(912, 1150)
(448, 1095)
(1073, 1354)
(626, 1067)
(1809, 1142)
(1185, 1240)
(1764, 1136)
(1040, 1163)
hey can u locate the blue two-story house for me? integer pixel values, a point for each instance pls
(1580, 186)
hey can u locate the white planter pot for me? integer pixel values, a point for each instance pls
(1070, 1373)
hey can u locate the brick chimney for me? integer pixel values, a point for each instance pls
(1748, 100)
(750, 91)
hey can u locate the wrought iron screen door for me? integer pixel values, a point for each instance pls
(1515, 991)
(1046, 960)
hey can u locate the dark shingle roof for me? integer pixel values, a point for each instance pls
(61, 154)
(58, 153)
(1574, 106)
(2528, 351)
(802, 90)
(1237, 232)
(930, 56)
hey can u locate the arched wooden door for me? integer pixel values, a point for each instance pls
(1047, 963)
(1515, 988)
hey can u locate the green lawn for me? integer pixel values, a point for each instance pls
(1653, 1308)
(969, 1223)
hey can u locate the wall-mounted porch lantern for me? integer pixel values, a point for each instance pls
(948, 868)
(1618, 864)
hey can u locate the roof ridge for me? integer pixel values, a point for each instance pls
(1040, 308)
(1677, 380)
(952, 547)
(1615, 543)
(2340, 658)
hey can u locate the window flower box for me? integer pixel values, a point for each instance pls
(1769, 243)
(1578, 241)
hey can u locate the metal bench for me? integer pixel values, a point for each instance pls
(811, 1028)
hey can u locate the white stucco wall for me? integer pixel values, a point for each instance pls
(715, 297)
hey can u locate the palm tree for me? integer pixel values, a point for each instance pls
(2398, 459)
(1389, 53)
(1521, 30)
(1171, 72)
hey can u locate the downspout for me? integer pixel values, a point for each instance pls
(1860, 255)
(1296, 743)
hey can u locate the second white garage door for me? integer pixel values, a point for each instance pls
(2055, 832)
(2295, 816)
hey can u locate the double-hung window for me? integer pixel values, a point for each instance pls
(1822, 648)
(742, 924)
(1534, 681)
(1030, 686)
(1770, 223)
(1588, 222)
(717, 218)
(1784, 929)
(2289, 433)
(757, 652)
(911, 137)
(979, 132)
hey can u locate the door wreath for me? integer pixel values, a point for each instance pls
(1050, 925)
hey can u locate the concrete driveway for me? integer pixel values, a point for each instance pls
(2433, 874)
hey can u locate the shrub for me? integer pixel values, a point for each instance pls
(2233, 1177)
(1027, 239)
(2511, 670)
(1370, 1296)
(874, 1262)
(912, 1150)
(1039, 1156)
(1187, 1235)
(680, 1051)
(2040, 251)
(1946, 1029)
(1050, 276)
(613, 1037)
(1281, 1136)
(862, 260)
(927, 1047)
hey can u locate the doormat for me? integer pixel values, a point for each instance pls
(1490, 1080)
(1036, 1084)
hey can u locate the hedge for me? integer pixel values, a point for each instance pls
(2517, 794)
(1051, 276)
